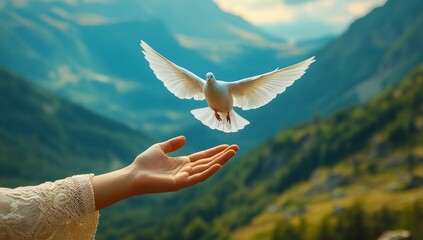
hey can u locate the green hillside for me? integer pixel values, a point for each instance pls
(298, 178)
(375, 52)
(355, 174)
(107, 73)
(362, 140)
(372, 154)
(43, 137)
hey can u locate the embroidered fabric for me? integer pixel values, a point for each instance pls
(64, 209)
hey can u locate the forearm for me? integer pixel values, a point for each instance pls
(112, 187)
(39, 212)
(154, 172)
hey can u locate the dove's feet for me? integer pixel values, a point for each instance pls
(217, 116)
(228, 118)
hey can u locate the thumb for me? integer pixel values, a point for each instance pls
(173, 144)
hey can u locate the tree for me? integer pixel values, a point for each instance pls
(286, 230)
(195, 229)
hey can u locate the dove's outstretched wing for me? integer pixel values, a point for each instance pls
(254, 92)
(178, 80)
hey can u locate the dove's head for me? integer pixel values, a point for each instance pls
(210, 77)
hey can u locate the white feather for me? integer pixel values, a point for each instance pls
(179, 81)
(206, 116)
(248, 93)
(254, 92)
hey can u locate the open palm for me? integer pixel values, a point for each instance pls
(155, 171)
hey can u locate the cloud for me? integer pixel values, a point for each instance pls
(65, 75)
(124, 86)
(297, 2)
(91, 19)
(284, 11)
(19, 3)
(22, 20)
(337, 13)
(121, 85)
(257, 11)
(161, 128)
(359, 8)
(162, 121)
(61, 13)
(54, 22)
(81, 18)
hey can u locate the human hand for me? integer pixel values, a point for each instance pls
(153, 171)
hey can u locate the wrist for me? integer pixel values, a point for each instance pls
(112, 187)
(129, 176)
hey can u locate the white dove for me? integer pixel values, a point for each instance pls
(248, 93)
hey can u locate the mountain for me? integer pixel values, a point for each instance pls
(382, 138)
(372, 54)
(376, 51)
(364, 161)
(202, 26)
(370, 152)
(70, 46)
(88, 52)
(92, 58)
(43, 137)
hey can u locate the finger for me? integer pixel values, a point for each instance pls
(186, 169)
(200, 177)
(173, 144)
(207, 153)
(211, 158)
(225, 157)
(235, 147)
(222, 159)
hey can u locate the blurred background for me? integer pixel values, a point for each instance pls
(339, 155)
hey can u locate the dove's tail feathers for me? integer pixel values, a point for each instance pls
(207, 117)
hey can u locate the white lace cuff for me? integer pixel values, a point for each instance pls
(64, 209)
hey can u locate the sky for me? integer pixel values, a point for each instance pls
(300, 19)
(289, 19)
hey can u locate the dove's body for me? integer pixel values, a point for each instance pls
(218, 96)
(248, 93)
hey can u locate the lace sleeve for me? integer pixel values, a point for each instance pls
(64, 209)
